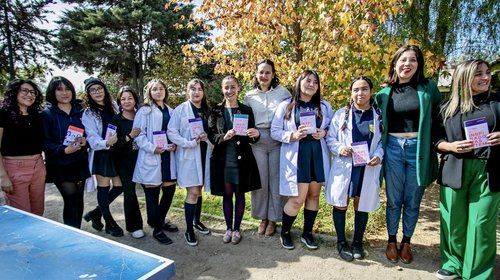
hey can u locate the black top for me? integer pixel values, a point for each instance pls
(22, 135)
(106, 117)
(403, 109)
(482, 110)
(123, 150)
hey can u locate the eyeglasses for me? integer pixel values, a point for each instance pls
(95, 90)
(26, 92)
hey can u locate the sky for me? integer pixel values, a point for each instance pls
(76, 77)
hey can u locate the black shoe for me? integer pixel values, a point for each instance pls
(161, 237)
(357, 250)
(94, 216)
(308, 240)
(444, 274)
(286, 240)
(113, 228)
(170, 227)
(190, 238)
(201, 228)
(344, 251)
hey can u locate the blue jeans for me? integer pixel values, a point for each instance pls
(401, 184)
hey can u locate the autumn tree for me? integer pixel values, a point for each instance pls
(339, 39)
(24, 44)
(123, 37)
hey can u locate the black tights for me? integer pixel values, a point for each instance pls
(72, 194)
(227, 206)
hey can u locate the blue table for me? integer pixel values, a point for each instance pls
(33, 247)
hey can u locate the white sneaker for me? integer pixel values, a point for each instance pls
(138, 234)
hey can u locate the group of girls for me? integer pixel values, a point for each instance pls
(403, 127)
(292, 145)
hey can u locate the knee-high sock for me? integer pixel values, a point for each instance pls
(197, 214)
(309, 218)
(152, 206)
(360, 221)
(165, 201)
(287, 223)
(339, 223)
(189, 212)
(114, 193)
(103, 201)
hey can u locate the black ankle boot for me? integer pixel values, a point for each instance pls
(112, 227)
(94, 215)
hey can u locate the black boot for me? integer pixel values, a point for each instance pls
(94, 215)
(112, 227)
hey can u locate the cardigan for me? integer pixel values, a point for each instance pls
(429, 98)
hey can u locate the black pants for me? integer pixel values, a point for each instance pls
(133, 218)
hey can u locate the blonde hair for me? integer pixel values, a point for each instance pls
(461, 88)
(148, 99)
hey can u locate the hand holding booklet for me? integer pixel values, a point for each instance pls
(360, 153)
(72, 133)
(240, 124)
(160, 139)
(476, 131)
(196, 127)
(308, 119)
(110, 131)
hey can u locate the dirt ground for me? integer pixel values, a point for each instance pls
(259, 257)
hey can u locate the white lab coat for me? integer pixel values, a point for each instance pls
(93, 127)
(339, 178)
(281, 130)
(148, 166)
(188, 153)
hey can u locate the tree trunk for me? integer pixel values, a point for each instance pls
(10, 49)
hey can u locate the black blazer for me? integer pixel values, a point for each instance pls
(450, 171)
(248, 170)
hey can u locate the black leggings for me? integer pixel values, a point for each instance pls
(227, 206)
(72, 194)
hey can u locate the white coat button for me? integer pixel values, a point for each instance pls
(237, 142)
(239, 157)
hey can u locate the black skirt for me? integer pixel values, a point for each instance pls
(104, 164)
(166, 175)
(73, 172)
(310, 162)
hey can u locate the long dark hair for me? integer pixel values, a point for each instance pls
(418, 77)
(205, 110)
(274, 82)
(55, 82)
(315, 99)
(9, 103)
(93, 106)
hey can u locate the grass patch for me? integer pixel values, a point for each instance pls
(376, 223)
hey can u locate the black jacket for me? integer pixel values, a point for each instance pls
(55, 125)
(248, 170)
(450, 171)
